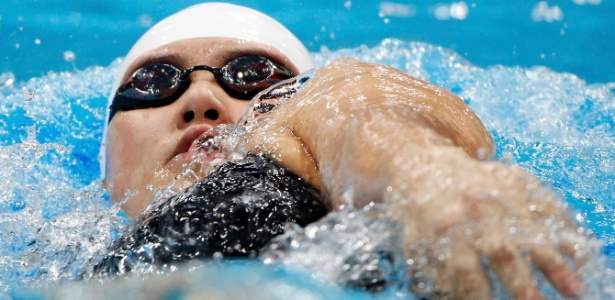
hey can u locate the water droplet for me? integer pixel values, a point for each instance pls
(145, 20)
(482, 154)
(18, 205)
(8, 81)
(29, 95)
(69, 56)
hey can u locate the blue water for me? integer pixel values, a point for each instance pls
(492, 32)
(538, 76)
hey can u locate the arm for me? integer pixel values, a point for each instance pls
(370, 133)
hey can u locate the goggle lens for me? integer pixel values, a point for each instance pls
(247, 74)
(155, 81)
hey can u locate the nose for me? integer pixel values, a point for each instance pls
(210, 114)
(203, 101)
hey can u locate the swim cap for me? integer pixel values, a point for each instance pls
(212, 20)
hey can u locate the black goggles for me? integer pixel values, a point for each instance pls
(161, 84)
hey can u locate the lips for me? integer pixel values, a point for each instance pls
(193, 141)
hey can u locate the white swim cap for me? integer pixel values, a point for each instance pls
(213, 20)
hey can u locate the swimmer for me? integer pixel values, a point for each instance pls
(358, 133)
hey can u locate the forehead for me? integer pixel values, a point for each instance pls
(210, 51)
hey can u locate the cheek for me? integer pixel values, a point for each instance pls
(237, 108)
(131, 153)
(124, 141)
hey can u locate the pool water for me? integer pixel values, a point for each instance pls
(556, 120)
(567, 36)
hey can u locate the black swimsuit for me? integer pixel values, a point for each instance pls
(234, 211)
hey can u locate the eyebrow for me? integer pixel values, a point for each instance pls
(235, 53)
(168, 58)
(176, 59)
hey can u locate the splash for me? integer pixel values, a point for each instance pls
(349, 247)
(54, 214)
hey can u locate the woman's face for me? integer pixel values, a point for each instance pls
(148, 148)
